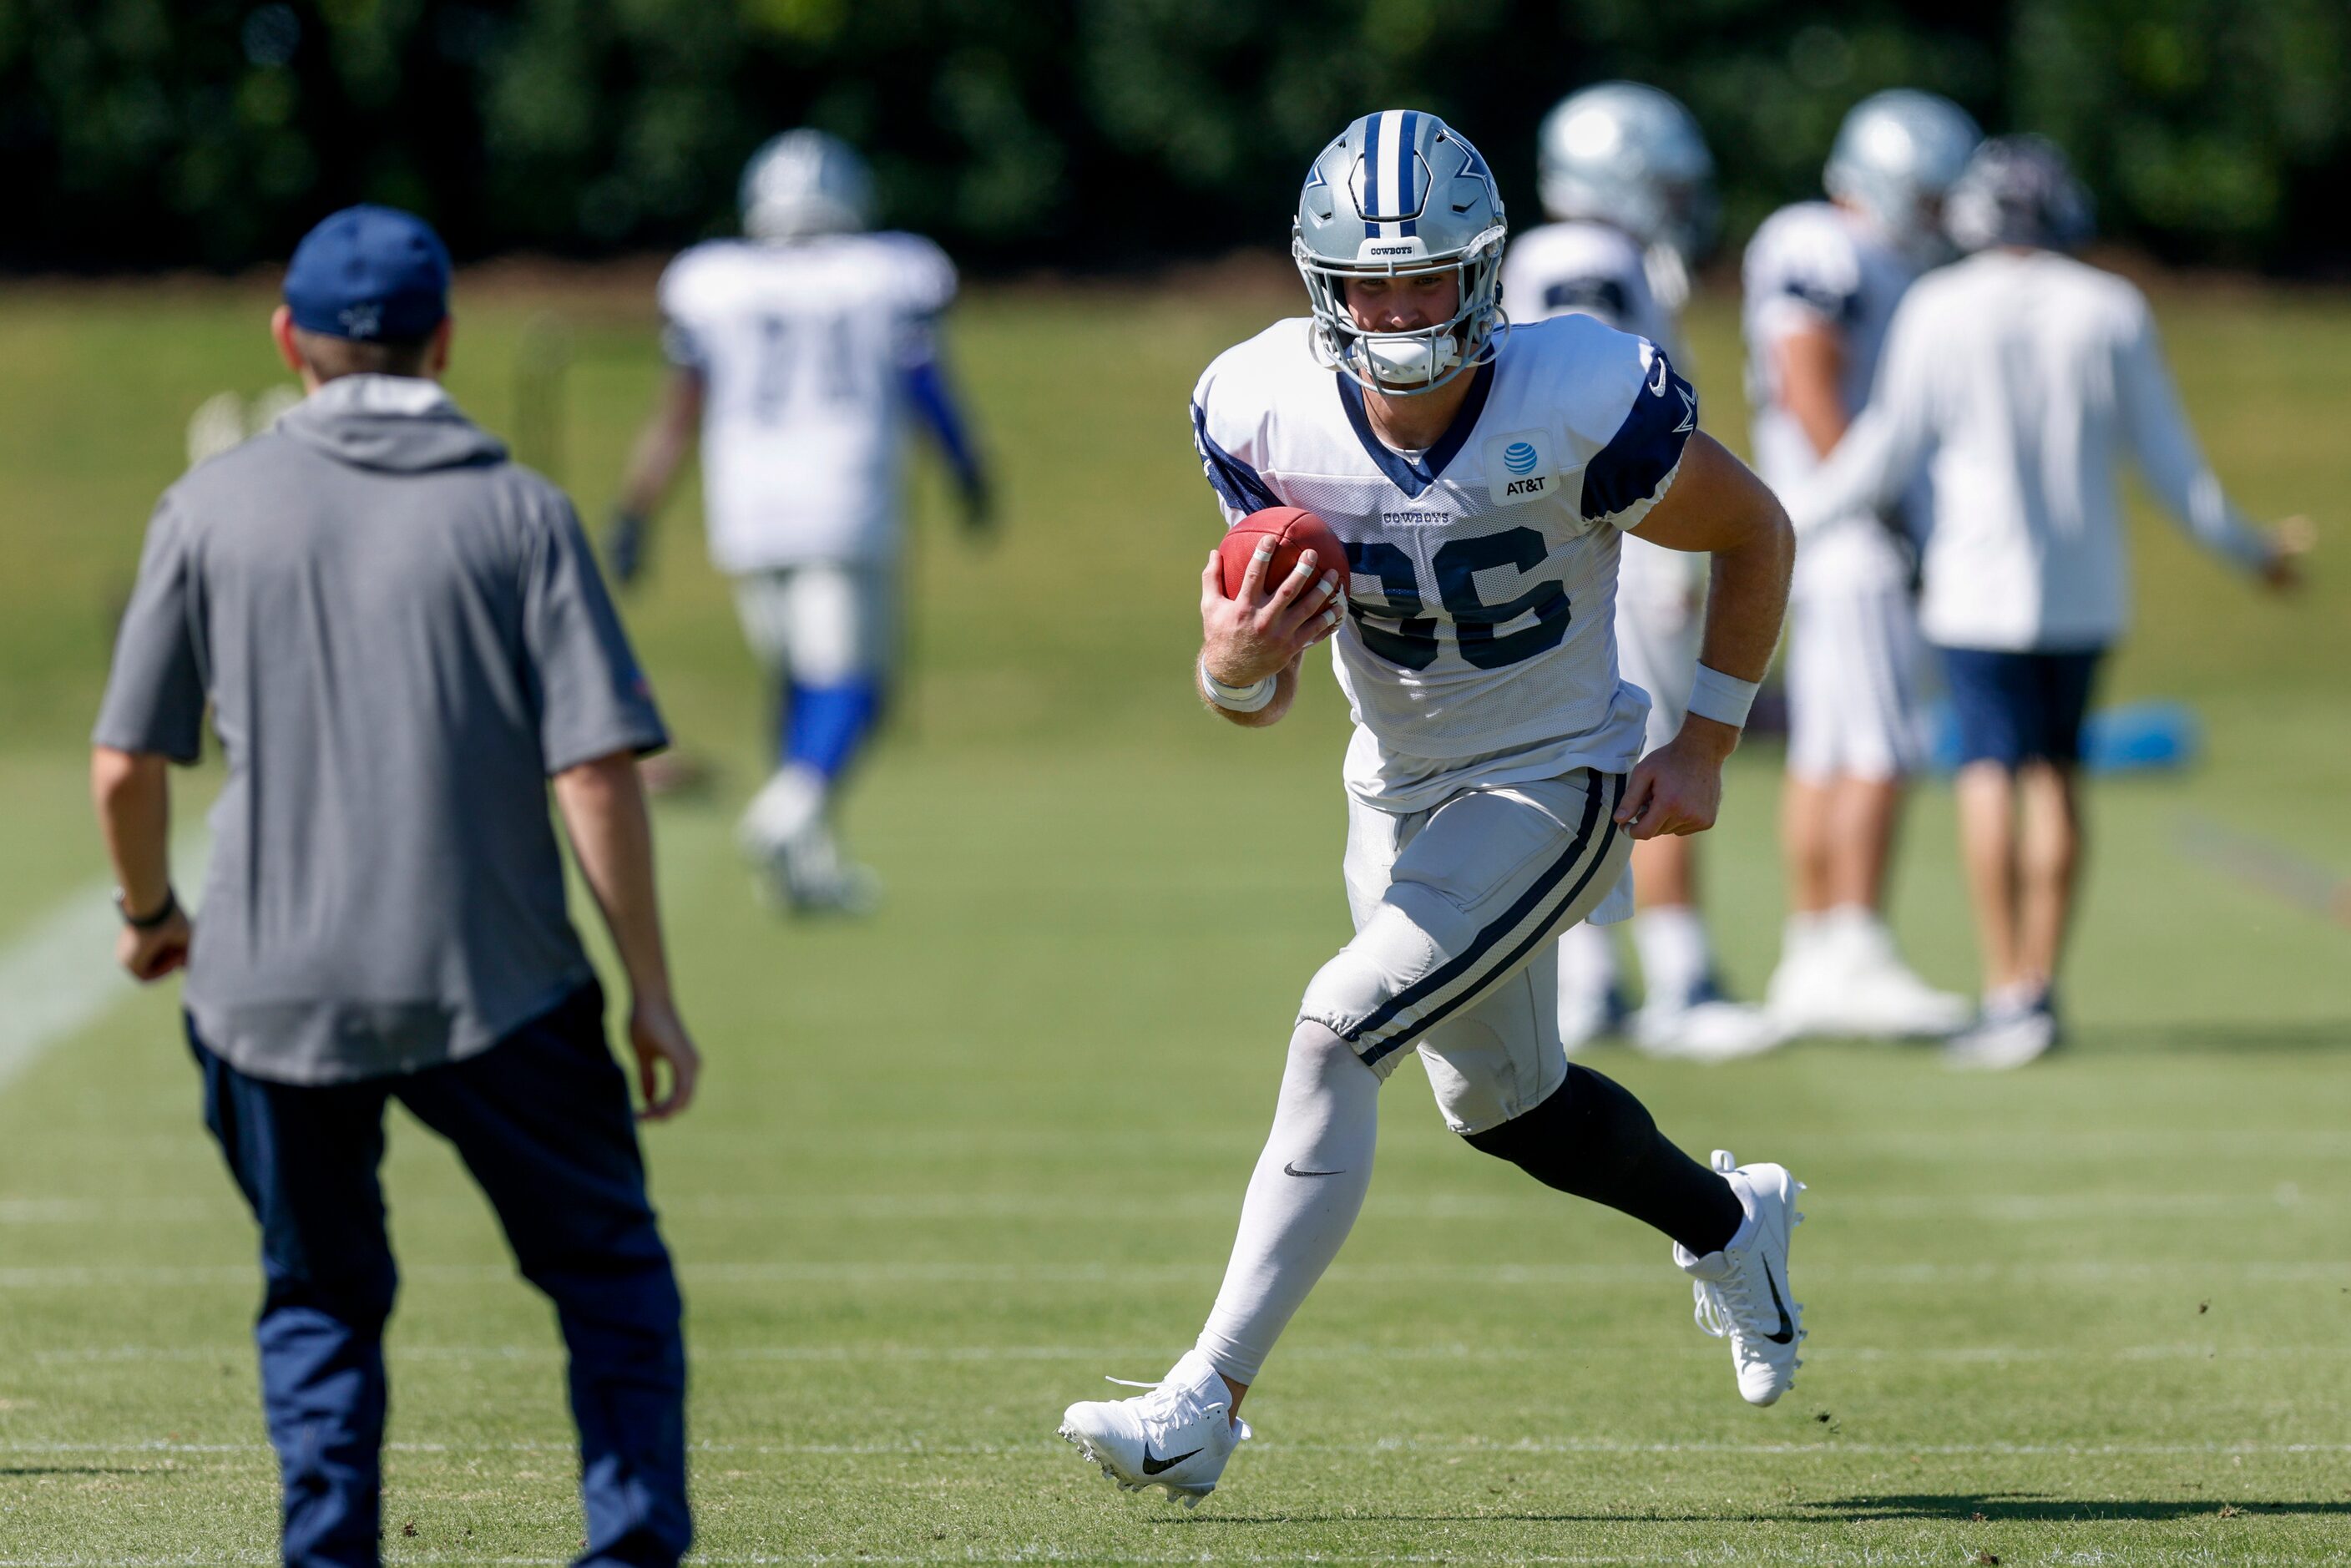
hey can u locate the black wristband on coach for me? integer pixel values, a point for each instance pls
(147, 922)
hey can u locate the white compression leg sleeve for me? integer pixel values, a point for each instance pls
(1303, 1200)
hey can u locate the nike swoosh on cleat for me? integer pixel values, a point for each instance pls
(1151, 1466)
(1787, 1330)
(1289, 1169)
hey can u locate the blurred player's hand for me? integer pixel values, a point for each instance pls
(624, 547)
(2289, 542)
(979, 506)
(1259, 630)
(657, 1035)
(1678, 788)
(153, 954)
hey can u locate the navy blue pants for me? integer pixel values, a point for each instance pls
(543, 1121)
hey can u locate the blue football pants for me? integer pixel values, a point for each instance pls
(542, 1120)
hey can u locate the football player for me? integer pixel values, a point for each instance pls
(799, 350)
(1820, 280)
(1482, 478)
(2025, 375)
(1626, 176)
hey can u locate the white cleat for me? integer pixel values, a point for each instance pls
(2007, 1036)
(1173, 1439)
(805, 874)
(1712, 1029)
(1742, 1292)
(1850, 981)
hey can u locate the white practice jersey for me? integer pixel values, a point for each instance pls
(1815, 265)
(2022, 379)
(1592, 269)
(803, 348)
(1479, 646)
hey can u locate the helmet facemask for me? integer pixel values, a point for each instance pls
(1406, 364)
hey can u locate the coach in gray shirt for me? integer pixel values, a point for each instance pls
(402, 636)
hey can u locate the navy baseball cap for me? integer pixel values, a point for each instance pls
(370, 273)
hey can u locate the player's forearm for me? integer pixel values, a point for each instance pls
(1812, 371)
(132, 792)
(1747, 596)
(661, 448)
(603, 808)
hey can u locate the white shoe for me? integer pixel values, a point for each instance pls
(1173, 1439)
(1742, 1292)
(1850, 981)
(1886, 995)
(2010, 1034)
(1711, 1029)
(805, 874)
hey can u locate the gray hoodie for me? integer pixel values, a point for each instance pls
(400, 634)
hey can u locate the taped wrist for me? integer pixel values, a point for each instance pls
(1251, 698)
(1721, 697)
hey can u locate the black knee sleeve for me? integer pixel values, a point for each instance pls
(1591, 1138)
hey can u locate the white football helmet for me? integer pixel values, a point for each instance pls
(1630, 155)
(1401, 192)
(804, 183)
(1895, 158)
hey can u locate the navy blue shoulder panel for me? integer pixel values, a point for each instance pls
(1646, 446)
(1243, 488)
(1842, 305)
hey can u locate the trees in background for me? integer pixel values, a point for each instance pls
(1087, 132)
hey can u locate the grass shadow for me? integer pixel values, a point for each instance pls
(2007, 1507)
(2216, 1036)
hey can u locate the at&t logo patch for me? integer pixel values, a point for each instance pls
(1518, 467)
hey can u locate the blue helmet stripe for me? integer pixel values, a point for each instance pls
(1405, 161)
(1370, 174)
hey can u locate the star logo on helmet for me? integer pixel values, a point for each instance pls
(364, 319)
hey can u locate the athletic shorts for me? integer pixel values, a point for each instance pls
(1853, 667)
(2020, 707)
(825, 624)
(1657, 649)
(1457, 911)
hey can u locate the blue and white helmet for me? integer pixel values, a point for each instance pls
(803, 183)
(1895, 158)
(1400, 192)
(1631, 156)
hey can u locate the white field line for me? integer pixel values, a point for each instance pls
(1049, 1448)
(59, 977)
(1113, 1356)
(2078, 1272)
(2008, 1209)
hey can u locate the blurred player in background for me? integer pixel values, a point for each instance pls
(2022, 375)
(1822, 279)
(1481, 482)
(798, 351)
(1626, 174)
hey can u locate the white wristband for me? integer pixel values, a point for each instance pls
(1238, 699)
(1722, 698)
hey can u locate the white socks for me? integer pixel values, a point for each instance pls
(1302, 1199)
(1587, 963)
(1675, 958)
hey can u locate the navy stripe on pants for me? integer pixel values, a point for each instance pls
(543, 1122)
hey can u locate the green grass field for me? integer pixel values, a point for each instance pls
(955, 1163)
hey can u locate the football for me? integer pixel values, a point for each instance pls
(1294, 530)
